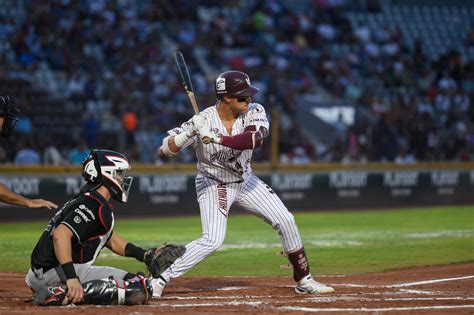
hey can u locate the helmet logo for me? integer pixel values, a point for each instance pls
(220, 84)
(247, 79)
(90, 170)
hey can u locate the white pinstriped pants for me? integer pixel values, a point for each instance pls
(215, 201)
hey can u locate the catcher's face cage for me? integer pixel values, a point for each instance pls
(116, 181)
(10, 110)
(108, 168)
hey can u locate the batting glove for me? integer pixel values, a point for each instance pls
(208, 135)
(199, 121)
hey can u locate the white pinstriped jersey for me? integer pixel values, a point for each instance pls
(219, 162)
(225, 178)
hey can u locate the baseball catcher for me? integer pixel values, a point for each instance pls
(62, 270)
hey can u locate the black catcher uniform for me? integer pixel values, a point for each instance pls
(90, 218)
(77, 233)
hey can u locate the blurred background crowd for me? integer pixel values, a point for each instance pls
(99, 74)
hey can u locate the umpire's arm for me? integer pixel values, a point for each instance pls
(10, 197)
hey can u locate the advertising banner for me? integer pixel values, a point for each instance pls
(174, 194)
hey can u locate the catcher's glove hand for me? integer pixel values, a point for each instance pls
(158, 259)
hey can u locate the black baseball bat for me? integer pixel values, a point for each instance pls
(185, 78)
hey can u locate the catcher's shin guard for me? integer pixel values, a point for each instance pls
(102, 292)
(300, 264)
(108, 292)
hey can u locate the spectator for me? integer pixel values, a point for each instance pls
(27, 155)
(79, 153)
(130, 122)
(110, 60)
(52, 156)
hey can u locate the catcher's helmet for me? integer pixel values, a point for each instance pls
(9, 110)
(108, 168)
(234, 83)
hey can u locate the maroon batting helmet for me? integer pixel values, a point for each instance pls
(234, 83)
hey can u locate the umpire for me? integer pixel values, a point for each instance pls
(76, 234)
(9, 112)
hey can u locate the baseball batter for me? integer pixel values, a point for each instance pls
(224, 137)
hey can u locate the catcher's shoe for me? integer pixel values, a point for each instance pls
(56, 296)
(309, 285)
(158, 286)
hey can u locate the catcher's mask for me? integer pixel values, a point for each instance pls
(9, 110)
(108, 168)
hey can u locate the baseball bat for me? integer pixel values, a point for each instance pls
(185, 78)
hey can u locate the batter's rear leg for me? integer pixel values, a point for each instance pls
(259, 199)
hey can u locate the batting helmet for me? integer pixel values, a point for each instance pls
(234, 83)
(108, 168)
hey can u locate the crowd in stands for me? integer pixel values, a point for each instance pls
(112, 60)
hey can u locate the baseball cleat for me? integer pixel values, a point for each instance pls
(56, 296)
(309, 285)
(158, 285)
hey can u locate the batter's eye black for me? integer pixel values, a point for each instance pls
(241, 99)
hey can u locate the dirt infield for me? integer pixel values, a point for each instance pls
(422, 290)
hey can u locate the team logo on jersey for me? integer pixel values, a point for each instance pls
(82, 214)
(83, 207)
(77, 219)
(257, 109)
(220, 84)
(226, 155)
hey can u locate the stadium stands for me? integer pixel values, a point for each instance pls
(406, 66)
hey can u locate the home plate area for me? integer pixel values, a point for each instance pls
(422, 290)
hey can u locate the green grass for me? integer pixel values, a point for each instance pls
(336, 242)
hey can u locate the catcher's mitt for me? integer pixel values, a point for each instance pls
(158, 259)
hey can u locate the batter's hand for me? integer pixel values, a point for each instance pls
(199, 121)
(209, 136)
(75, 292)
(40, 203)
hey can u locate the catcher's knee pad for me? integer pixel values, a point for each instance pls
(107, 291)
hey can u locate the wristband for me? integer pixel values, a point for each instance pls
(181, 139)
(69, 270)
(166, 149)
(134, 251)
